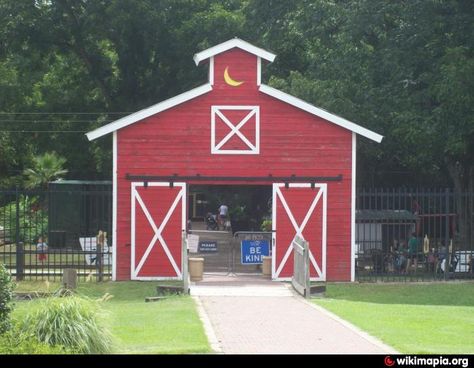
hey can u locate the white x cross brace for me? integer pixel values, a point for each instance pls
(299, 230)
(158, 232)
(254, 111)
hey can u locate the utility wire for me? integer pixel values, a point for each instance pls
(52, 121)
(43, 131)
(67, 113)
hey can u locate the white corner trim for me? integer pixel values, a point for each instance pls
(274, 218)
(353, 205)
(259, 71)
(285, 97)
(230, 44)
(149, 111)
(114, 206)
(211, 71)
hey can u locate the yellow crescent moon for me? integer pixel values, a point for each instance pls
(229, 80)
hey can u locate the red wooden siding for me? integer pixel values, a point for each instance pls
(292, 142)
(299, 201)
(157, 201)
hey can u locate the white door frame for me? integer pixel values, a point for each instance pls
(322, 192)
(135, 197)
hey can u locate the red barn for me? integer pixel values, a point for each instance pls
(233, 130)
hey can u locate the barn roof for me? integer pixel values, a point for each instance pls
(186, 96)
(235, 42)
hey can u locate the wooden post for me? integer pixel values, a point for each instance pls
(184, 259)
(101, 238)
(70, 278)
(20, 255)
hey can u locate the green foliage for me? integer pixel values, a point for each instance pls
(17, 342)
(6, 296)
(266, 225)
(33, 219)
(46, 168)
(401, 68)
(72, 322)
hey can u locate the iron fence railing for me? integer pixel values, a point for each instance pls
(44, 232)
(404, 234)
(69, 219)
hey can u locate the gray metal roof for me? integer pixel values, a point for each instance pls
(384, 215)
(82, 182)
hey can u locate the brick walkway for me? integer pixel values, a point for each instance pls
(278, 322)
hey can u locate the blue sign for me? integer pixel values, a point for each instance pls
(207, 247)
(252, 251)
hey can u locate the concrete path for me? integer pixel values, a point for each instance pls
(268, 318)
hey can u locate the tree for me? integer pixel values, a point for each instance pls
(46, 168)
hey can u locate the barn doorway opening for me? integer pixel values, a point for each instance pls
(217, 237)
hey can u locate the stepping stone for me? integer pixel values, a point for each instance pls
(167, 289)
(154, 298)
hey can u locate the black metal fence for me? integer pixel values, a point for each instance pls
(44, 232)
(69, 218)
(414, 235)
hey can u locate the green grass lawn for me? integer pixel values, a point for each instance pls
(171, 326)
(433, 318)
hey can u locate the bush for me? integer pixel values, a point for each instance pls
(6, 296)
(33, 219)
(17, 342)
(72, 322)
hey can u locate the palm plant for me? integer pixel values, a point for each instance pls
(46, 167)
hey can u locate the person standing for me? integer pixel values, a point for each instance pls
(412, 251)
(223, 215)
(42, 248)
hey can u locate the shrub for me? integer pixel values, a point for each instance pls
(32, 217)
(6, 296)
(72, 322)
(17, 342)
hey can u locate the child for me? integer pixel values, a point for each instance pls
(42, 248)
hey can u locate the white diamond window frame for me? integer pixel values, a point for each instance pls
(235, 129)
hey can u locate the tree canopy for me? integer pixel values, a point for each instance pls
(404, 69)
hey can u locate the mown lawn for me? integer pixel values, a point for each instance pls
(171, 326)
(432, 318)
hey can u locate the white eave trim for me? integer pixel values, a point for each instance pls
(149, 111)
(235, 42)
(285, 97)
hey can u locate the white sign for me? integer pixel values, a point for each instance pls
(90, 245)
(193, 241)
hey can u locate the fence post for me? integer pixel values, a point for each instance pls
(184, 257)
(20, 261)
(100, 249)
(307, 280)
(447, 256)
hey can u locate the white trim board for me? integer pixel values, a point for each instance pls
(152, 110)
(353, 204)
(230, 44)
(114, 207)
(285, 97)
